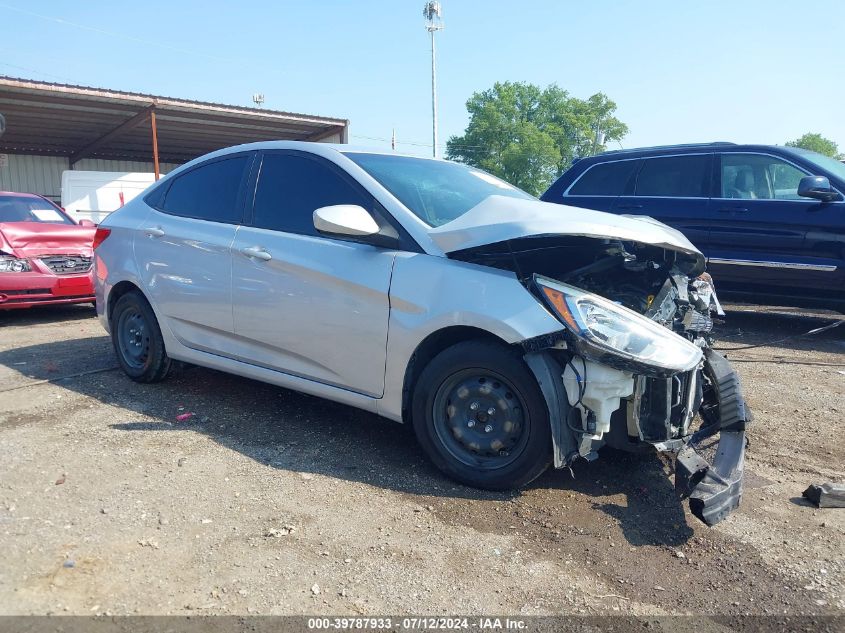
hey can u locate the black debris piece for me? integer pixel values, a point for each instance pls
(826, 495)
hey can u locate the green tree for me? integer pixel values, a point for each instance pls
(816, 143)
(528, 135)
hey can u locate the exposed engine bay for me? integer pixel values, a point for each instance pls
(632, 401)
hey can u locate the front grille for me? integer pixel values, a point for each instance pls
(67, 264)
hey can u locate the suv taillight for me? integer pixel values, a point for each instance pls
(100, 236)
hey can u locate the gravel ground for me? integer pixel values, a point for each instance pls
(268, 501)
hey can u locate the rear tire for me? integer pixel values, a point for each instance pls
(137, 339)
(479, 415)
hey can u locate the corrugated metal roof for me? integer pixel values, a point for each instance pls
(80, 121)
(175, 100)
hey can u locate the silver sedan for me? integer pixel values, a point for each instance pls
(511, 333)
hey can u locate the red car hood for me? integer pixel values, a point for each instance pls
(30, 239)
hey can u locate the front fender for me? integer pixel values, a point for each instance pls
(429, 293)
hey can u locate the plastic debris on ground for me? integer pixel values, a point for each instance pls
(826, 495)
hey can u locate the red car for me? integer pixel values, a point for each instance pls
(45, 257)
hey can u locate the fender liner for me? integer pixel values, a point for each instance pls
(549, 375)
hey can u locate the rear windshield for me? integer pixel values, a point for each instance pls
(435, 191)
(26, 209)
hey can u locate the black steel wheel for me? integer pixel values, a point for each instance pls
(137, 339)
(479, 418)
(479, 414)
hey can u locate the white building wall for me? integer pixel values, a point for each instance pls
(43, 174)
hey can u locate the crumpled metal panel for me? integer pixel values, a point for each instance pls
(501, 218)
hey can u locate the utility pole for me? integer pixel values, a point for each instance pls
(432, 12)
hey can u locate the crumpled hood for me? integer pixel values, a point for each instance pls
(500, 218)
(31, 239)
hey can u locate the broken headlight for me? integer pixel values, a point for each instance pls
(606, 327)
(13, 265)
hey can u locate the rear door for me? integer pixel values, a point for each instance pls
(183, 251)
(674, 190)
(760, 227)
(306, 304)
(599, 186)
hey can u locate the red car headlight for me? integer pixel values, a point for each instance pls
(14, 265)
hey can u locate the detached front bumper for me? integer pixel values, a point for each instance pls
(715, 490)
(28, 289)
(656, 416)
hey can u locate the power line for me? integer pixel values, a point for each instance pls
(416, 143)
(37, 72)
(122, 36)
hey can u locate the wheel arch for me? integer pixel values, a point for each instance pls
(430, 347)
(118, 290)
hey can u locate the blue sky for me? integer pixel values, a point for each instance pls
(745, 71)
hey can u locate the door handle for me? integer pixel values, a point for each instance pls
(257, 252)
(154, 231)
(733, 210)
(630, 206)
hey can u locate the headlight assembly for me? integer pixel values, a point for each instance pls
(603, 327)
(13, 265)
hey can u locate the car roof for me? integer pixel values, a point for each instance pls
(21, 194)
(320, 149)
(684, 148)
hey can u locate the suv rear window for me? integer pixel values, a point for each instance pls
(604, 179)
(675, 177)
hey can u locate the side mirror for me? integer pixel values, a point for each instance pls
(88, 223)
(345, 219)
(818, 188)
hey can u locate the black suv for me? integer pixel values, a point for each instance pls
(770, 219)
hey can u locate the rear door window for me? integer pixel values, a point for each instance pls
(675, 177)
(292, 187)
(604, 179)
(209, 192)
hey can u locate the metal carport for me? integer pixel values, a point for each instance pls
(78, 122)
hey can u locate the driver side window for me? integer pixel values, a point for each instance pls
(759, 177)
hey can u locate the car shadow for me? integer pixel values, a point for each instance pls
(651, 512)
(780, 328)
(291, 431)
(46, 314)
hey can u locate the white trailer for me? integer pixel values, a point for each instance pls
(92, 195)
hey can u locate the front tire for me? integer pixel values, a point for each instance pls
(478, 413)
(137, 339)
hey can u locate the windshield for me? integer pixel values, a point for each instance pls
(26, 209)
(436, 191)
(827, 163)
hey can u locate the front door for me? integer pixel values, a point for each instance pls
(760, 227)
(306, 304)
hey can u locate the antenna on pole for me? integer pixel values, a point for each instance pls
(258, 99)
(433, 14)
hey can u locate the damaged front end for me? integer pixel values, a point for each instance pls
(633, 367)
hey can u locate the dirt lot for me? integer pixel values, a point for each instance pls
(267, 501)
